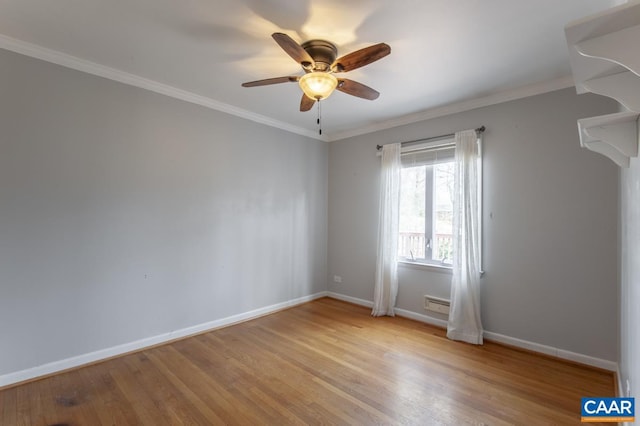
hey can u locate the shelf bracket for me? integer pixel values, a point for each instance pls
(608, 151)
(620, 47)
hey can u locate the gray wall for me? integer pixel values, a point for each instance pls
(630, 278)
(550, 222)
(125, 214)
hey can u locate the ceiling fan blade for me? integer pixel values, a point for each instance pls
(267, 81)
(354, 88)
(361, 57)
(306, 103)
(294, 50)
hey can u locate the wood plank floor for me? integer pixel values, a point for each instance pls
(324, 362)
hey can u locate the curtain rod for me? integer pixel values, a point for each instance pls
(480, 129)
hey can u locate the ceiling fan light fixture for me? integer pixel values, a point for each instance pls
(318, 85)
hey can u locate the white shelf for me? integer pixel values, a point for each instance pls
(623, 87)
(619, 48)
(614, 136)
(605, 59)
(594, 31)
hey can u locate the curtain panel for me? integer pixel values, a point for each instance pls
(386, 279)
(464, 318)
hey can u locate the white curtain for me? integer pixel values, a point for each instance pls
(386, 284)
(464, 317)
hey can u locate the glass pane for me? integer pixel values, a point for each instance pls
(412, 213)
(443, 212)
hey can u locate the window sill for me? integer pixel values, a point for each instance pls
(442, 269)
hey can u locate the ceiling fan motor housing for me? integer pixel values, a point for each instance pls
(323, 53)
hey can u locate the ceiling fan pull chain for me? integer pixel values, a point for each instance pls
(319, 117)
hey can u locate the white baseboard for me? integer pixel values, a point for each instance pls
(65, 364)
(350, 299)
(400, 312)
(550, 350)
(102, 354)
(421, 317)
(500, 338)
(621, 390)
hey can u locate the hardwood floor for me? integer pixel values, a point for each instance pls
(324, 362)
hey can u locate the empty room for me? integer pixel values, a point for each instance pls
(319, 212)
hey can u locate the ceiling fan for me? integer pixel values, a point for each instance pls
(318, 60)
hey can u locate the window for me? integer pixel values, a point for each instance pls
(426, 204)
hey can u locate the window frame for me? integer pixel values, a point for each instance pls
(429, 218)
(439, 143)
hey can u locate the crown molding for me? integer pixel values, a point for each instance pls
(493, 99)
(73, 62)
(78, 64)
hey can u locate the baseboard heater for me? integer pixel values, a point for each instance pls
(436, 304)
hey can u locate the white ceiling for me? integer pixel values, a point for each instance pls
(443, 53)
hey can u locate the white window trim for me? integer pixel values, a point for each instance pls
(431, 144)
(443, 269)
(419, 146)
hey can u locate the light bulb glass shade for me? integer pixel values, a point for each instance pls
(318, 85)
